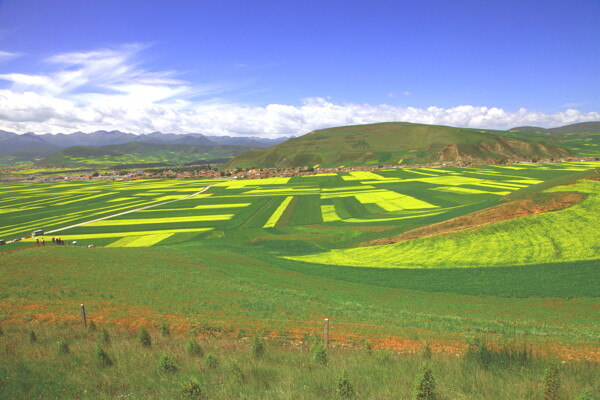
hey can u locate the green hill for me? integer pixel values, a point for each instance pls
(138, 153)
(387, 143)
(581, 139)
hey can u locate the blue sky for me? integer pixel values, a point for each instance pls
(272, 68)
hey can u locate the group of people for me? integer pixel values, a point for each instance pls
(55, 240)
(59, 241)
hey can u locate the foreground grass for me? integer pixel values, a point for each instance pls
(71, 362)
(222, 290)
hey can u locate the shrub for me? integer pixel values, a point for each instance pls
(344, 387)
(552, 382)
(92, 326)
(32, 337)
(258, 347)
(211, 362)
(165, 364)
(384, 356)
(193, 348)
(424, 388)
(236, 370)
(105, 336)
(103, 357)
(63, 347)
(504, 356)
(319, 354)
(426, 351)
(144, 337)
(164, 330)
(588, 394)
(192, 390)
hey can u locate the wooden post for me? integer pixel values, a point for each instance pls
(83, 320)
(326, 332)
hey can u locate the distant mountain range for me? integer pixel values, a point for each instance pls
(402, 142)
(29, 146)
(383, 143)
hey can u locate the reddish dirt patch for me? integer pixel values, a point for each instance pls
(414, 346)
(543, 202)
(19, 249)
(34, 306)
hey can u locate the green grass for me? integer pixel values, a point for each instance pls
(565, 235)
(38, 370)
(232, 274)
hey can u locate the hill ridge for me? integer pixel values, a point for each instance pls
(387, 143)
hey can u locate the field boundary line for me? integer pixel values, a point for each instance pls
(19, 249)
(130, 211)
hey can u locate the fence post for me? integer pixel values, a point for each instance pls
(83, 320)
(326, 332)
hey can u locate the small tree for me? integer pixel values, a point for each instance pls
(192, 390)
(424, 388)
(63, 347)
(211, 362)
(552, 382)
(344, 387)
(193, 348)
(426, 351)
(319, 354)
(105, 336)
(32, 337)
(164, 330)
(588, 394)
(103, 357)
(165, 364)
(144, 337)
(258, 347)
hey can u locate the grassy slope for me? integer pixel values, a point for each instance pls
(228, 280)
(237, 288)
(566, 235)
(390, 142)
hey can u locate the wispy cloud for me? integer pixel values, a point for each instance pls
(574, 104)
(109, 89)
(5, 55)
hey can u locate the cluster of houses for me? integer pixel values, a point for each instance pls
(252, 173)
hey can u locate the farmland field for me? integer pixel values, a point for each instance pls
(280, 254)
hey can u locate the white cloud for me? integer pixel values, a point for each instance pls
(107, 89)
(5, 55)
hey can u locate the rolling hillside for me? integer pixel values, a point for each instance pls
(583, 127)
(387, 143)
(138, 153)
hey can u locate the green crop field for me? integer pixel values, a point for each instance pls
(278, 255)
